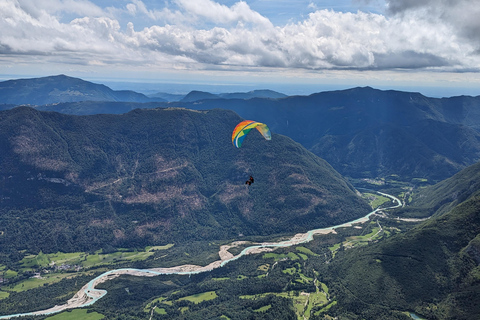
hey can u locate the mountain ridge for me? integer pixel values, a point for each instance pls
(62, 88)
(432, 269)
(362, 132)
(157, 175)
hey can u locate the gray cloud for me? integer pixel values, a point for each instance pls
(461, 15)
(409, 60)
(207, 34)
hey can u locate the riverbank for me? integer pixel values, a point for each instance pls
(88, 294)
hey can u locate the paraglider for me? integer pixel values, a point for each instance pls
(241, 131)
(244, 127)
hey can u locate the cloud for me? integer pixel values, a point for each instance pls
(204, 34)
(461, 15)
(221, 14)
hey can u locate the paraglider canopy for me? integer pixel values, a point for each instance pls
(244, 127)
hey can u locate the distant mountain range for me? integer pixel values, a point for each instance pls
(156, 176)
(361, 132)
(364, 132)
(61, 88)
(199, 95)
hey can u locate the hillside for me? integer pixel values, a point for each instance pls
(364, 132)
(61, 88)
(361, 132)
(155, 176)
(98, 107)
(432, 270)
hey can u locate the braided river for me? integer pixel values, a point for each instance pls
(88, 294)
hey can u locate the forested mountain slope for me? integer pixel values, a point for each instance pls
(156, 176)
(361, 132)
(364, 132)
(433, 269)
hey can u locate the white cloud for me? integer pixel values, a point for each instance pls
(205, 34)
(221, 14)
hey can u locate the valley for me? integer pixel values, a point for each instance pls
(123, 207)
(50, 268)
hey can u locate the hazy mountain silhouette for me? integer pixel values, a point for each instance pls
(61, 88)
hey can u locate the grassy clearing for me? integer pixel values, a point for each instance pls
(200, 297)
(160, 311)
(306, 251)
(264, 267)
(32, 283)
(334, 248)
(4, 295)
(293, 256)
(155, 302)
(326, 308)
(88, 260)
(303, 256)
(77, 314)
(290, 271)
(315, 299)
(367, 237)
(281, 256)
(8, 274)
(45, 279)
(263, 309)
(305, 279)
(375, 200)
(156, 248)
(324, 287)
(303, 302)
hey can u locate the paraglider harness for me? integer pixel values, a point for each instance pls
(249, 181)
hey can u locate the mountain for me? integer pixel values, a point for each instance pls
(169, 97)
(199, 95)
(361, 132)
(97, 107)
(154, 176)
(432, 270)
(61, 88)
(270, 94)
(364, 132)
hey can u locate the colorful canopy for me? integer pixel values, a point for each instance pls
(244, 127)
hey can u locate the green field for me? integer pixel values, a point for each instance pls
(8, 274)
(48, 278)
(77, 314)
(375, 200)
(281, 256)
(263, 309)
(303, 302)
(87, 260)
(4, 295)
(306, 251)
(200, 297)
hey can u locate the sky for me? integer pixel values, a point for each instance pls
(295, 46)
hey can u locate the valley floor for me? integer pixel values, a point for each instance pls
(88, 294)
